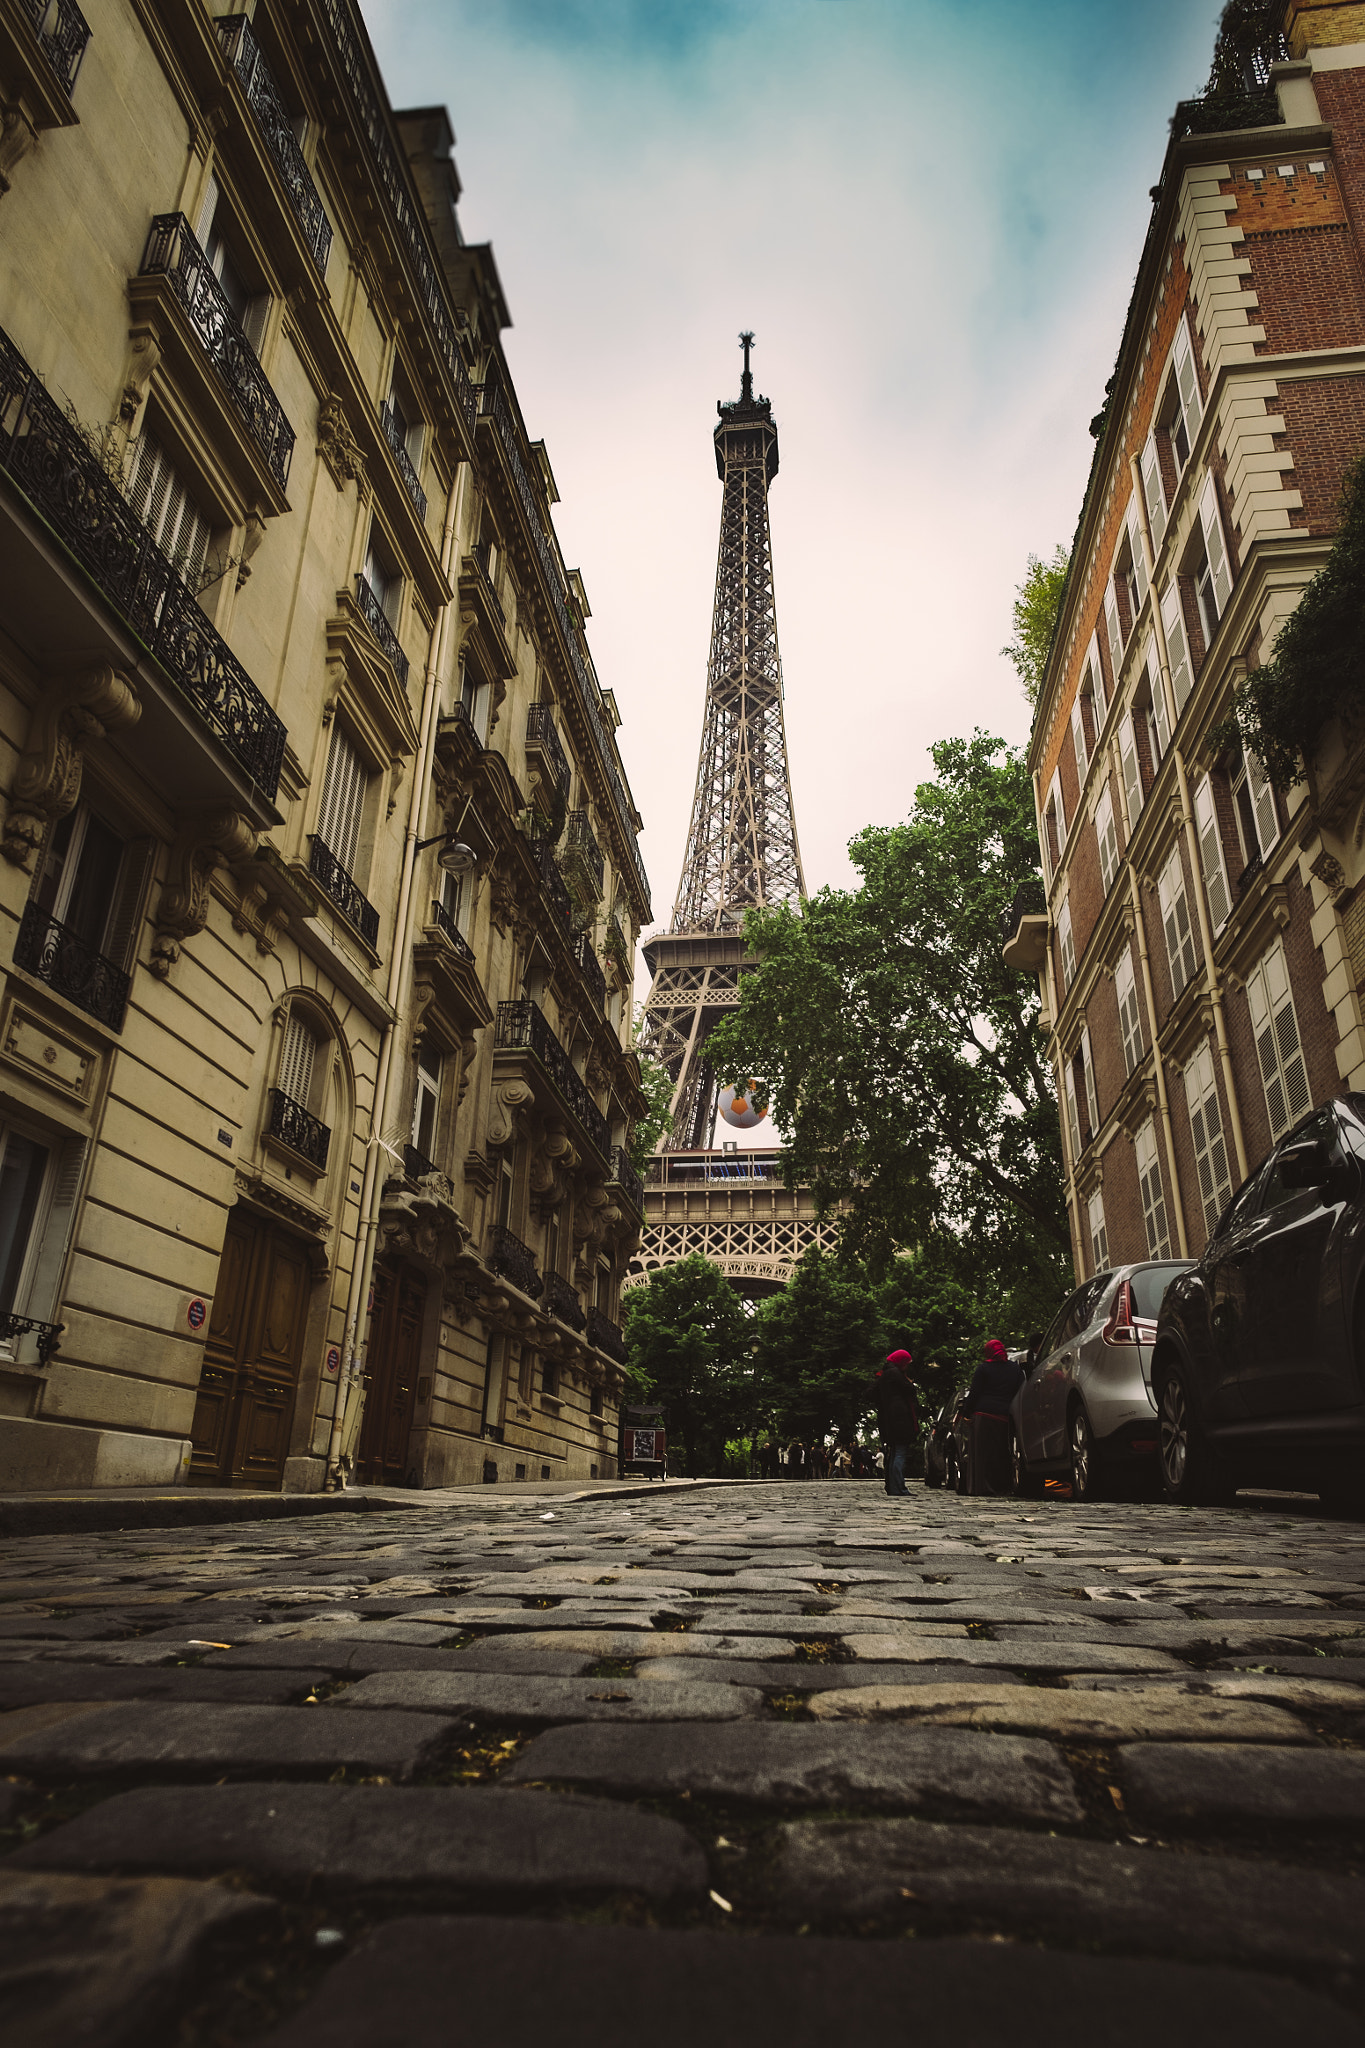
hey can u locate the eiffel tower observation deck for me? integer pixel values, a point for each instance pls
(702, 1195)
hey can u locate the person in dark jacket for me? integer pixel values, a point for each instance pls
(994, 1385)
(897, 1418)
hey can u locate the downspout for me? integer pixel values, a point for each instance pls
(367, 1228)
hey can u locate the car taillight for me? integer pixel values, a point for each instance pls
(1119, 1328)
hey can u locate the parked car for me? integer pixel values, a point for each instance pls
(1259, 1370)
(942, 1445)
(1086, 1410)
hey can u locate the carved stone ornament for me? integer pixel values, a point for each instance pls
(47, 781)
(507, 1100)
(1329, 872)
(261, 914)
(252, 536)
(336, 445)
(202, 844)
(144, 353)
(420, 1225)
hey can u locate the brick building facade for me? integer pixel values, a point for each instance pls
(1202, 956)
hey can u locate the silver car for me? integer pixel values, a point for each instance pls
(1085, 1412)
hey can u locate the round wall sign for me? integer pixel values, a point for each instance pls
(195, 1313)
(333, 1359)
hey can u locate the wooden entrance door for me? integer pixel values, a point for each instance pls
(240, 1432)
(400, 1306)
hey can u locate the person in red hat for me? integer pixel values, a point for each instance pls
(897, 1418)
(994, 1385)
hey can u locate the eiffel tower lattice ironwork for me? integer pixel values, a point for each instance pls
(742, 853)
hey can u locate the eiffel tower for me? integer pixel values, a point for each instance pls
(742, 853)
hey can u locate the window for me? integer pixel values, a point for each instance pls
(384, 579)
(214, 236)
(1092, 685)
(1131, 769)
(1130, 1016)
(1073, 1120)
(1175, 919)
(427, 1102)
(343, 799)
(1057, 811)
(1066, 944)
(297, 1060)
(91, 883)
(1107, 838)
(1253, 800)
(1137, 564)
(1114, 632)
(1213, 577)
(551, 1259)
(39, 1181)
(549, 1379)
(504, 1206)
(1284, 1075)
(1184, 408)
(595, 1406)
(1216, 888)
(474, 696)
(1099, 1236)
(1079, 742)
(1173, 622)
(1153, 1196)
(1153, 491)
(164, 505)
(1152, 697)
(455, 899)
(1086, 1060)
(1206, 1128)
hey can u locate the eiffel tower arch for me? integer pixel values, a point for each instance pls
(742, 854)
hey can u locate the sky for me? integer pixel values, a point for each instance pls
(930, 215)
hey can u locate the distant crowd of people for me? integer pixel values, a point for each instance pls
(819, 1460)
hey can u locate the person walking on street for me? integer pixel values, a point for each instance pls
(897, 1418)
(994, 1385)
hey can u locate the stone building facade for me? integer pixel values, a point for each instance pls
(314, 1152)
(1202, 955)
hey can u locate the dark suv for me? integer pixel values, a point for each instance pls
(1259, 1365)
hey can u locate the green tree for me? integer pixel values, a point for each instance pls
(657, 1083)
(688, 1338)
(942, 1300)
(899, 1052)
(1037, 602)
(818, 1344)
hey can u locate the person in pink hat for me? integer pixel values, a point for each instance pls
(897, 1418)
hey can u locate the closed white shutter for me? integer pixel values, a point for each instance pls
(1092, 1101)
(1067, 944)
(1115, 632)
(208, 206)
(1058, 807)
(1284, 1076)
(1073, 1121)
(1132, 772)
(1099, 1236)
(1263, 803)
(1139, 554)
(1211, 855)
(296, 1060)
(1206, 1128)
(1095, 671)
(1153, 1195)
(1211, 522)
(1078, 742)
(343, 800)
(1153, 491)
(164, 505)
(1107, 838)
(1130, 1017)
(1187, 381)
(1173, 620)
(1160, 722)
(1175, 918)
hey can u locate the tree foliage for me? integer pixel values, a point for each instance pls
(819, 1342)
(688, 1344)
(1037, 602)
(657, 1084)
(899, 1052)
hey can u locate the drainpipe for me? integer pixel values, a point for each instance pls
(354, 1348)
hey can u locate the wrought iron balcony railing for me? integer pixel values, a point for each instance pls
(71, 966)
(542, 738)
(46, 1334)
(393, 434)
(524, 1023)
(590, 967)
(553, 883)
(516, 1261)
(355, 907)
(561, 1302)
(243, 53)
(416, 1165)
(579, 841)
(373, 614)
(624, 1176)
(50, 462)
(346, 47)
(446, 924)
(291, 1123)
(63, 32)
(605, 1335)
(173, 253)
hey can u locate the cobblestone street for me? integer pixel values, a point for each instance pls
(747, 1762)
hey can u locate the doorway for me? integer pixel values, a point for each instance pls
(240, 1433)
(400, 1306)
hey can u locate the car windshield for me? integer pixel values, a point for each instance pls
(1149, 1286)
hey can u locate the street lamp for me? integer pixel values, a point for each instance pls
(455, 857)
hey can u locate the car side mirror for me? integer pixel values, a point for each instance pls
(1304, 1165)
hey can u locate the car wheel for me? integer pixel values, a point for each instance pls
(1027, 1485)
(1084, 1464)
(1190, 1473)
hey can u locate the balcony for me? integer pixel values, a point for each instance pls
(514, 1260)
(523, 1024)
(582, 857)
(44, 1335)
(562, 1303)
(243, 54)
(393, 434)
(551, 880)
(542, 739)
(63, 32)
(590, 967)
(337, 885)
(52, 465)
(71, 967)
(604, 1335)
(372, 612)
(173, 253)
(290, 1123)
(624, 1176)
(448, 928)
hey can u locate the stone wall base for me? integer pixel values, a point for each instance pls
(40, 1457)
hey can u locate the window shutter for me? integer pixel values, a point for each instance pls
(1139, 554)
(1068, 949)
(1078, 742)
(1187, 380)
(1130, 1017)
(1111, 621)
(1132, 773)
(1173, 621)
(1263, 803)
(1073, 1121)
(1206, 1127)
(1059, 807)
(1284, 1076)
(208, 206)
(1153, 1195)
(1158, 694)
(1175, 918)
(1211, 521)
(1107, 838)
(1153, 491)
(130, 897)
(1099, 1236)
(1211, 855)
(1092, 1101)
(1096, 672)
(343, 799)
(296, 1060)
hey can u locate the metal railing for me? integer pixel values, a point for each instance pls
(291, 1123)
(446, 924)
(1029, 900)
(514, 1260)
(12, 1326)
(553, 883)
(542, 738)
(53, 466)
(416, 1165)
(1212, 116)
(690, 1169)
(173, 253)
(578, 840)
(605, 1335)
(243, 53)
(398, 447)
(70, 966)
(372, 612)
(461, 715)
(624, 1176)
(561, 1301)
(63, 32)
(523, 1024)
(393, 178)
(590, 967)
(337, 885)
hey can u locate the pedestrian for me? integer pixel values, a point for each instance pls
(995, 1383)
(796, 1460)
(897, 1419)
